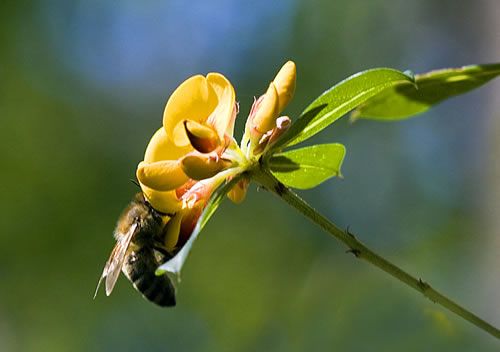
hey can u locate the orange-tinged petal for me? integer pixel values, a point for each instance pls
(180, 191)
(285, 83)
(164, 175)
(165, 202)
(194, 99)
(267, 112)
(222, 119)
(161, 148)
(188, 223)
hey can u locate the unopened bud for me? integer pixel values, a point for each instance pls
(238, 193)
(285, 84)
(263, 141)
(267, 111)
(283, 123)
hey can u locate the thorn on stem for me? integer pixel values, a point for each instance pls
(280, 188)
(354, 251)
(423, 285)
(348, 232)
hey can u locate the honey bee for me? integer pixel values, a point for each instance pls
(138, 252)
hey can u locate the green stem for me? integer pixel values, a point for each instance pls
(359, 250)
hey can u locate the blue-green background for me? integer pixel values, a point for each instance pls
(82, 88)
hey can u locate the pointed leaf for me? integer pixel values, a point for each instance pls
(339, 100)
(404, 100)
(174, 265)
(308, 167)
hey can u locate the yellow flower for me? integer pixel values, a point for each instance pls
(198, 116)
(195, 151)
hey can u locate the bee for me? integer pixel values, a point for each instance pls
(138, 252)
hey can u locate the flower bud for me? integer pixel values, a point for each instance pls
(263, 141)
(238, 193)
(267, 111)
(270, 137)
(285, 84)
(283, 123)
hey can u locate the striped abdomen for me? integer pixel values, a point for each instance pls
(139, 268)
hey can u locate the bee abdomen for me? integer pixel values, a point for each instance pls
(140, 269)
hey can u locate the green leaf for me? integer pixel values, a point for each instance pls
(307, 167)
(174, 265)
(339, 100)
(404, 100)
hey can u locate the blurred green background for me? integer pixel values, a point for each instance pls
(82, 88)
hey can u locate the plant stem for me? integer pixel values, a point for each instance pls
(359, 250)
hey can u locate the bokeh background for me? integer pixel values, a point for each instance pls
(82, 88)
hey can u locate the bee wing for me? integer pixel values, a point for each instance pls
(116, 259)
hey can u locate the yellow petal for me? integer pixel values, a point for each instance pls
(161, 148)
(222, 119)
(285, 84)
(267, 112)
(194, 99)
(162, 175)
(172, 231)
(202, 166)
(165, 202)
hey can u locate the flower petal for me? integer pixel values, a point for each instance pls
(194, 99)
(164, 175)
(165, 202)
(223, 117)
(161, 148)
